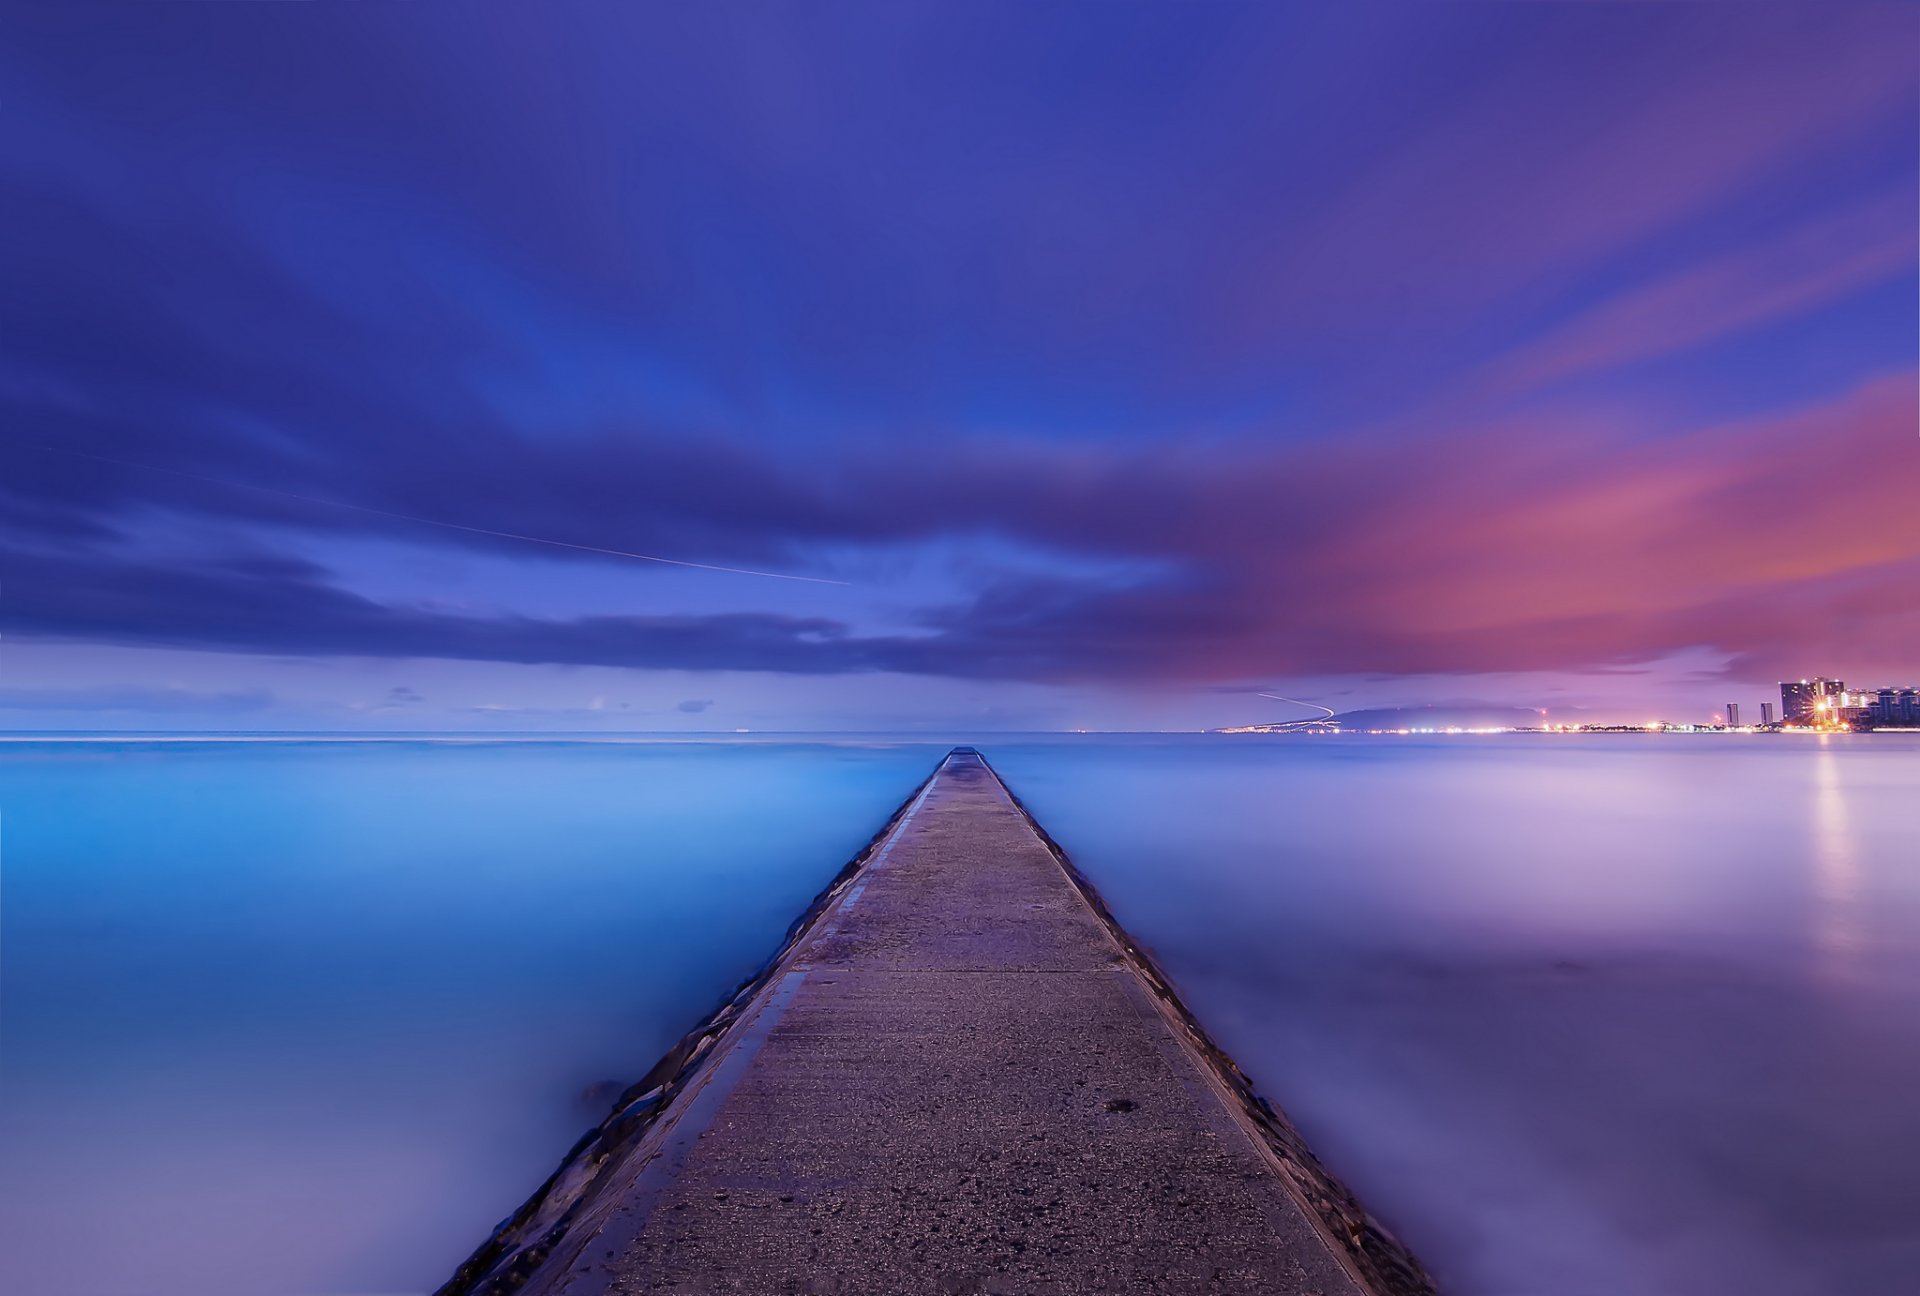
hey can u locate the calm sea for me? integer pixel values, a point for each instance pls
(1575, 1015)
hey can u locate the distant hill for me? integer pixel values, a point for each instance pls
(1456, 715)
(1449, 717)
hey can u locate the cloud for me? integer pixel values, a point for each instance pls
(232, 608)
(1813, 265)
(1148, 355)
(134, 699)
(694, 706)
(1505, 547)
(1599, 134)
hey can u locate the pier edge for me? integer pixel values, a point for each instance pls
(520, 1247)
(1381, 1261)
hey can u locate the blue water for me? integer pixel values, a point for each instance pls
(1595, 1015)
(310, 1018)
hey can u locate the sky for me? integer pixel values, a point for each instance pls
(1033, 366)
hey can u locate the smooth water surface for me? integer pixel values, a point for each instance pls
(303, 1018)
(1578, 1016)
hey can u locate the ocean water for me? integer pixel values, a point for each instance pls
(283, 1018)
(1608, 1014)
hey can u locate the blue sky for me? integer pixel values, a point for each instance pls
(1100, 366)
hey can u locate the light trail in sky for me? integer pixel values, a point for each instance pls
(1297, 702)
(437, 522)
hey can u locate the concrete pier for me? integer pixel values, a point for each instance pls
(960, 1076)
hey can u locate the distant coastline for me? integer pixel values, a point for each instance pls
(1843, 713)
(1658, 727)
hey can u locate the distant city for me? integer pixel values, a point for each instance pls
(1817, 705)
(1822, 703)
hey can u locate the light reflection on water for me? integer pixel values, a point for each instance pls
(1593, 1015)
(1836, 869)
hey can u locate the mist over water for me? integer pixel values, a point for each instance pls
(310, 1018)
(1575, 1015)
(1579, 1016)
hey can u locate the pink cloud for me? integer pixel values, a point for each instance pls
(1811, 266)
(1793, 534)
(1560, 162)
(1543, 543)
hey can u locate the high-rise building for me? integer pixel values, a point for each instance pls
(1827, 703)
(1733, 715)
(1853, 707)
(1800, 702)
(1766, 713)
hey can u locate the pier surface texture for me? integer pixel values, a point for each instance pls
(959, 1077)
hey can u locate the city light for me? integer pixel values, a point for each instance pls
(1819, 705)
